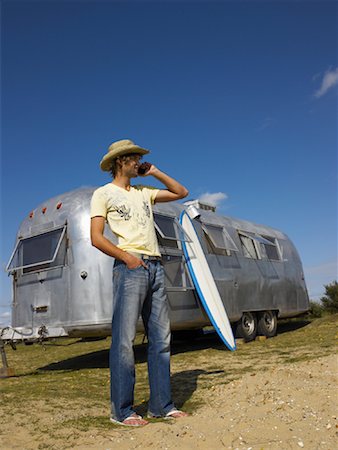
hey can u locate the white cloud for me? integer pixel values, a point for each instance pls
(214, 199)
(329, 80)
(318, 276)
(5, 319)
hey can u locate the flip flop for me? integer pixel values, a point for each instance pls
(176, 414)
(173, 414)
(137, 420)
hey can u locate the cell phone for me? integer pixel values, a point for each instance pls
(144, 167)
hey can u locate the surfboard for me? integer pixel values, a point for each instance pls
(205, 284)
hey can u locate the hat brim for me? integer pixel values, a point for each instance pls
(106, 161)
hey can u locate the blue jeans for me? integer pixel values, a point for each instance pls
(138, 292)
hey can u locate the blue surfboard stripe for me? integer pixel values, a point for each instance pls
(198, 289)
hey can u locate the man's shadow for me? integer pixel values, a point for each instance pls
(182, 344)
(100, 359)
(183, 385)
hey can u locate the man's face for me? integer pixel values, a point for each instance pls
(130, 165)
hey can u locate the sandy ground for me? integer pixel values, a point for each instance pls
(289, 407)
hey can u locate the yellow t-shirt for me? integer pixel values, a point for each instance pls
(129, 215)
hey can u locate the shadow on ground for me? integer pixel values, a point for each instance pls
(291, 325)
(183, 385)
(100, 359)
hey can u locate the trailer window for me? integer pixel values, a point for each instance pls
(270, 248)
(175, 272)
(248, 245)
(219, 238)
(169, 231)
(39, 252)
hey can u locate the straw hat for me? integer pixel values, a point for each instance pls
(119, 148)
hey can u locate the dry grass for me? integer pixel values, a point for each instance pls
(69, 379)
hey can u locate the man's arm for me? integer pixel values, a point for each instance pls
(174, 191)
(106, 246)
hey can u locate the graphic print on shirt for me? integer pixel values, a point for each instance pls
(117, 203)
(139, 212)
(142, 214)
(146, 209)
(124, 212)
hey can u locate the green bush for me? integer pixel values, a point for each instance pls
(330, 299)
(315, 310)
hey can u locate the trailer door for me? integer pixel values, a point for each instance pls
(38, 266)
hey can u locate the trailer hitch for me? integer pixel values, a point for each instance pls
(5, 371)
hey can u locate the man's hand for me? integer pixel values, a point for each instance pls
(175, 190)
(144, 168)
(132, 262)
(153, 170)
(149, 169)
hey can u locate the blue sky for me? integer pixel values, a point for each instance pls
(236, 99)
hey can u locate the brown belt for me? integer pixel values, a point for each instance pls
(146, 257)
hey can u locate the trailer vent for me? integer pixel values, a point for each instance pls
(200, 205)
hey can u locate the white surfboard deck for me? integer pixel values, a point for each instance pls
(205, 284)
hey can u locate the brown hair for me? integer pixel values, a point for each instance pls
(117, 162)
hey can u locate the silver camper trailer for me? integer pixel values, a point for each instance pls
(62, 286)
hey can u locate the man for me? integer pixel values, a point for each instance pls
(138, 279)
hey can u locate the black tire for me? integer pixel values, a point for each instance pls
(246, 327)
(267, 323)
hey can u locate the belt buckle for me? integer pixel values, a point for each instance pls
(151, 258)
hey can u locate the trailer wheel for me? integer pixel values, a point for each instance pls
(267, 323)
(247, 327)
